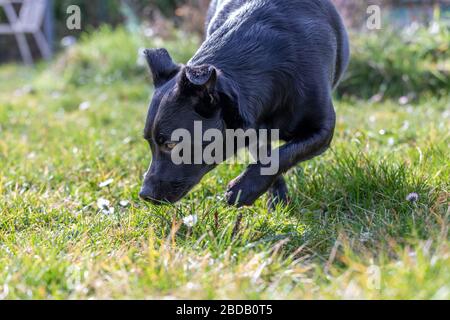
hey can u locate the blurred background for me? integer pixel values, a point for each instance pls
(408, 55)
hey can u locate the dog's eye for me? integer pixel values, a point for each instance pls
(170, 145)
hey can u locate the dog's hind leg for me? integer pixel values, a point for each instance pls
(278, 193)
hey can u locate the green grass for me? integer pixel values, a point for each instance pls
(349, 232)
(413, 62)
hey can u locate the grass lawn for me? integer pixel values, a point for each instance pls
(350, 231)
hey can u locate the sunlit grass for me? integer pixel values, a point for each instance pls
(350, 231)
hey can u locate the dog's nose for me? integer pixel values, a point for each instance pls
(151, 195)
(145, 194)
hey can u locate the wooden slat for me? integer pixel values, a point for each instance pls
(32, 14)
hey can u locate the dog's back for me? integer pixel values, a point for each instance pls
(313, 27)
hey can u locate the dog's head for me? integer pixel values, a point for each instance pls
(183, 95)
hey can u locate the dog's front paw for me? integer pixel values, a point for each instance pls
(238, 193)
(246, 189)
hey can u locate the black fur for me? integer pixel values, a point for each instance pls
(265, 64)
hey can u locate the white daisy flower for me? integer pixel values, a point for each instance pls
(104, 206)
(124, 203)
(84, 105)
(412, 197)
(190, 221)
(106, 183)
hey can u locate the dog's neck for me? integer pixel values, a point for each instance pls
(230, 99)
(237, 80)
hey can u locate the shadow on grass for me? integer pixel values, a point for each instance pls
(355, 199)
(365, 201)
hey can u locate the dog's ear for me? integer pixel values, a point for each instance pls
(200, 82)
(199, 78)
(161, 65)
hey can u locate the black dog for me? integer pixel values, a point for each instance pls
(264, 64)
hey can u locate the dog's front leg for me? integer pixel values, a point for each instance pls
(249, 186)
